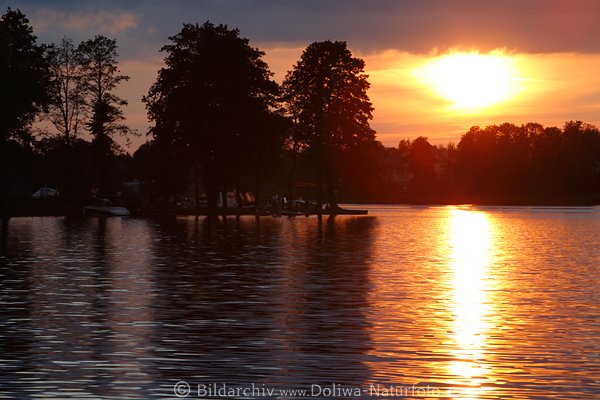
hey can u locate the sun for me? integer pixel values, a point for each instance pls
(471, 81)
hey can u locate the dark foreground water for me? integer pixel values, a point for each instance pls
(412, 302)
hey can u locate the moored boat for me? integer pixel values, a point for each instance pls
(104, 208)
(106, 211)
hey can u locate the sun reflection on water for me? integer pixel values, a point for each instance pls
(470, 241)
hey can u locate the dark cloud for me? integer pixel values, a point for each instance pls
(414, 26)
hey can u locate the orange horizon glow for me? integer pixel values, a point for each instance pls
(546, 88)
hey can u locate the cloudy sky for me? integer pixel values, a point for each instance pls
(549, 52)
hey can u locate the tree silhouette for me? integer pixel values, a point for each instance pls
(24, 83)
(422, 162)
(210, 101)
(580, 156)
(67, 109)
(100, 76)
(327, 93)
(66, 89)
(529, 159)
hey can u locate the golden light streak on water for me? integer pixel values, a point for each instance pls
(470, 240)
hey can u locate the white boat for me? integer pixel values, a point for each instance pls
(104, 208)
(106, 211)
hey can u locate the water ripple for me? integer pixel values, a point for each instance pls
(484, 302)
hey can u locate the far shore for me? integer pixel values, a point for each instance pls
(54, 209)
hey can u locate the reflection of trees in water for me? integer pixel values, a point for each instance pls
(85, 266)
(102, 306)
(212, 308)
(325, 320)
(149, 303)
(16, 342)
(76, 307)
(129, 315)
(282, 302)
(68, 303)
(57, 307)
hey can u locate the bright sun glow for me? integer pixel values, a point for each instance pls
(471, 81)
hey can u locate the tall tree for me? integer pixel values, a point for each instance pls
(67, 109)
(24, 83)
(209, 101)
(100, 76)
(66, 89)
(327, 91)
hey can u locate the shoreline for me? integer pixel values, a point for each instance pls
(64, 210)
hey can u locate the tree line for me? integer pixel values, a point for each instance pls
(498, 164)
(68, 86)
(220, 123)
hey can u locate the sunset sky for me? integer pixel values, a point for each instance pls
(436, 67)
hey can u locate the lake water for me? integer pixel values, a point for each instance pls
(445, 302)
